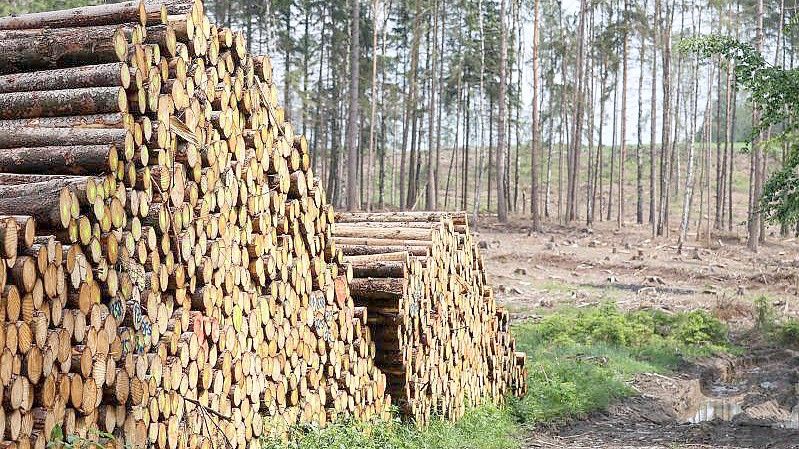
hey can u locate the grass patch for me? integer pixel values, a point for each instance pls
(486, 427)
(580, 360)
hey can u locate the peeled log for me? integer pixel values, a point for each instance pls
(50, 103)
(100, 75)
(62, 160)
(47, 48)
(117, 13)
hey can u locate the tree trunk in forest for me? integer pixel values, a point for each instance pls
(663, 225)
(352, 121)
(623, 130)
(432, 191)
(373, 112)
(689, 171)
(653, 122)
(574, 156)
(535, 147)
(753, 225)
(639, 175)
(502, 205)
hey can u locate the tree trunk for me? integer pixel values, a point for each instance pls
(502, 205)
(534, 139)
(639, 175)
(756, 188)
(623, 131)
(352, 121)
(373, 112)
(432, 191)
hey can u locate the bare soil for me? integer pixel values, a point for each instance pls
(725, 402)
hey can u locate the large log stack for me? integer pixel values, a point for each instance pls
(169, 271)
(441, 339)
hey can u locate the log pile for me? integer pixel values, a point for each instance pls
(169, 274)
(441, 339)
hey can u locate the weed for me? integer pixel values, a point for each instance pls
(765, 315)
(787, 333)
(486, 427)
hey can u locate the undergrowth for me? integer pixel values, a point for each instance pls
(579, 361)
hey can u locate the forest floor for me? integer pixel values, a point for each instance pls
(747, 399)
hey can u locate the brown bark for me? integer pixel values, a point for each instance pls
(38, 49)
(61, 160)
(109, 120)
(122, 139)
(107, 14)
(40, 200)
(97, 100)
(101, 75)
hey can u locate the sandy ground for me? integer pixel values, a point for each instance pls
(744, 402)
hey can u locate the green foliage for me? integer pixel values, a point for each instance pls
(787, 333)
(99, 439)
(582, 360)
(485, 427)
(775, 91)
(765, 316)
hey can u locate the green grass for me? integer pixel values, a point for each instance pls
(486, 427)
(579, 361)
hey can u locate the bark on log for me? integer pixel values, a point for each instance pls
(40, 200)
(100, 75)
(109, 14)
(110, 120)
(378, 288)
(47, 48)
(379, 269)
(96, 100)
(62, 160)
(122, 139)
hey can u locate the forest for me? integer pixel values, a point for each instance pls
(565, 111)
(569, 111)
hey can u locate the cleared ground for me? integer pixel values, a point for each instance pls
(745, 400)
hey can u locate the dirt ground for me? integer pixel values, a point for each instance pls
(744, 402)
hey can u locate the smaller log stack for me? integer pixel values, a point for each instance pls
(441, 339)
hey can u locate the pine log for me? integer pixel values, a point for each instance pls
(379, 269)
(378, 288)
(107, 14)
(100, 75)
(61, 160)
(41, 137)
(96, 100)
(110, 120)
(46, 48)
(362, 250)
(47, 202)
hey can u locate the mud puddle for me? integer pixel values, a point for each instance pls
(727, 402)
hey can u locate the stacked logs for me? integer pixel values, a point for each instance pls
(169, 271)
(442, 341)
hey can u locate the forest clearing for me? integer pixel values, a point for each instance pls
(469, 224)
